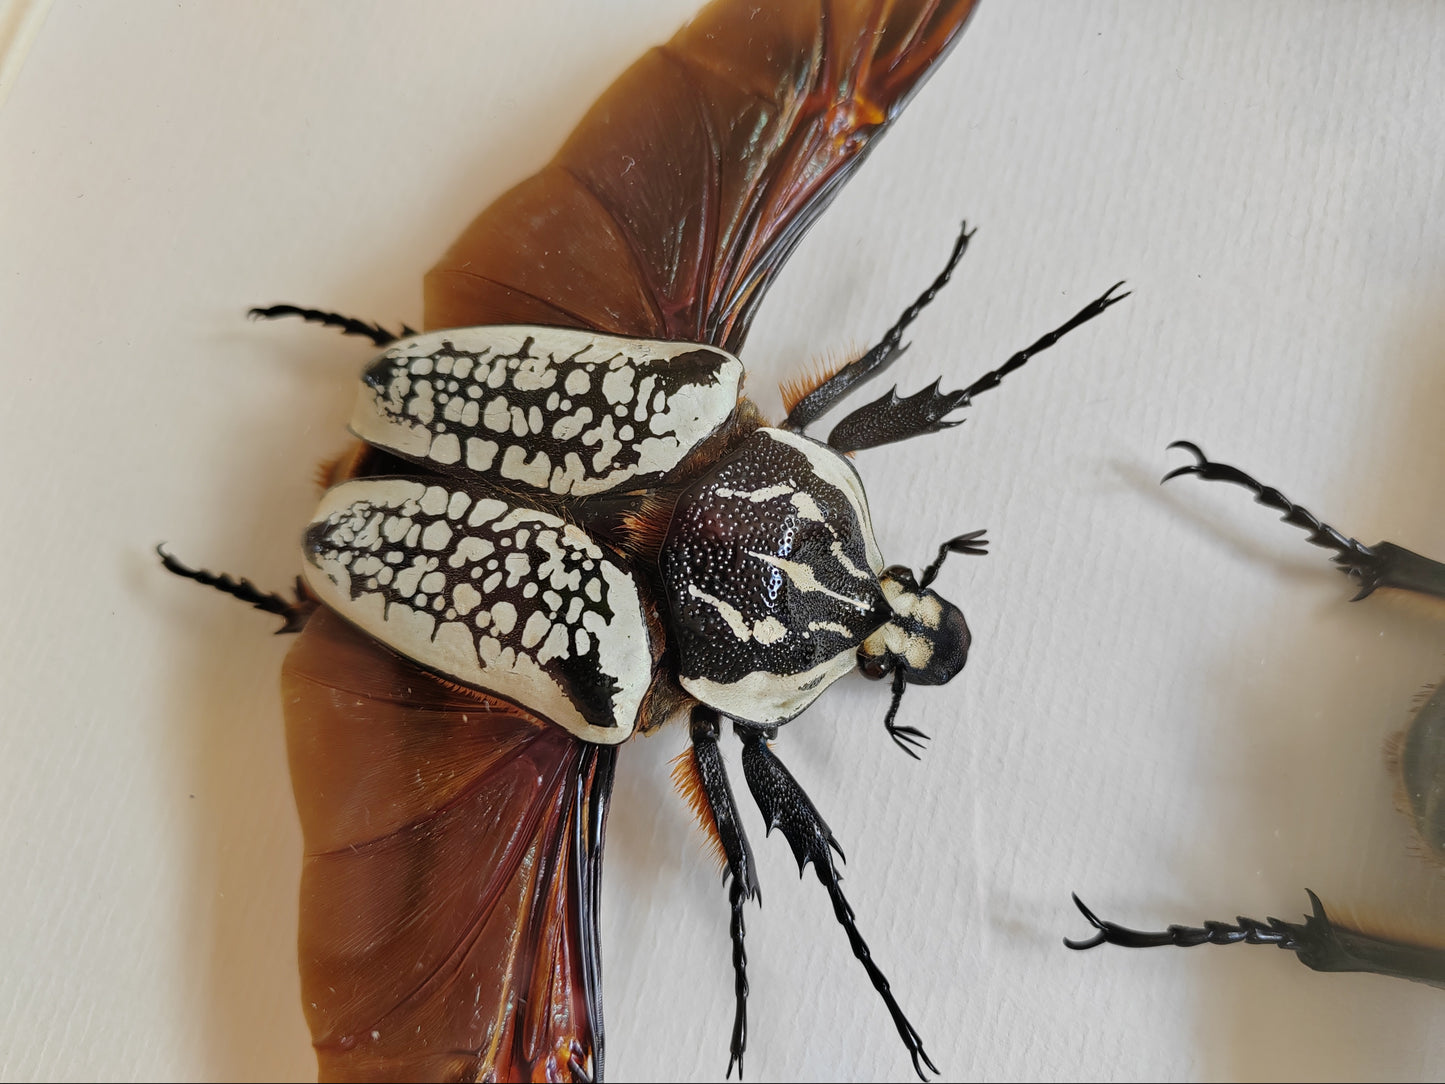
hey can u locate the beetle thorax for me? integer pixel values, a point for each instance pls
(770, 571)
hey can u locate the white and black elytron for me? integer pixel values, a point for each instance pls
(606, 533)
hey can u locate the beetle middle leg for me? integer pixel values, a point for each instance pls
(786, 806)
(347, 325)
(707, 774)
(293, 612)
(891, 418)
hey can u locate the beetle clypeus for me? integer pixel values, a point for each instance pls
(565, 526)
(1417, 756)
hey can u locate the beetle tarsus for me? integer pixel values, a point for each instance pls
(1382, 565)
(741, 869)
(347, 325)
(909, 739)
(1319, 943)
(1097, 307)
(889, 348)
(294, 612)
(786, 806)
(891, 418)
(1249, 931)
(737, 896)
(973, 543)
(1353, 557)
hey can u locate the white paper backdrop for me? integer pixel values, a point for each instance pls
(1170, 707)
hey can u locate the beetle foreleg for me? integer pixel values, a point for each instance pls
(1319, 942)
(1381, 565)
(785, 806)
(909, 738)
(824, 397)
(295, 613)
(737, 854)
(348, 325)
(974, 544)
(891, 418)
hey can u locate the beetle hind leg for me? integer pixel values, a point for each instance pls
(701, 777)
(824, 396)
(347, 325)
(293, 612)
(786, 806)
(891, 418)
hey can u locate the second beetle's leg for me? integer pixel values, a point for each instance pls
(1319, 942)
(347, 325)
(785, 806)
(1381, 565)
(712, 778)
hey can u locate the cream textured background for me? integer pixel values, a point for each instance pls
(1170, 707)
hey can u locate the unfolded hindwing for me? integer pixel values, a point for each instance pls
(573, 413)
(506, 599)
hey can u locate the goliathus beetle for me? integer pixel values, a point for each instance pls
(602, 531)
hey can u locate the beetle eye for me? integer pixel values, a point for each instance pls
(874, 667)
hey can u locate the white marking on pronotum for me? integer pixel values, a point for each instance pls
(802, 577)
(767, 698)
(768, 630)
(808, 509)
(758, 496)
(842, 558)
(839, 473)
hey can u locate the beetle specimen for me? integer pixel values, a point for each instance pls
(565, 526)
(1417, 755)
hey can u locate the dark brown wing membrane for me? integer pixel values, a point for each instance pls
(453, 855)
(688, 184)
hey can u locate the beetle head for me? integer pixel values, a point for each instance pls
(925, 639)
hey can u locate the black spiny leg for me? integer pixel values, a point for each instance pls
(1381, 565)
(826, 395)
(347, 325)
(294, 612)
(973, 543)
(908, 738)
(741, 873)
(784, 805)
(1319, 942)
(892, 418)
